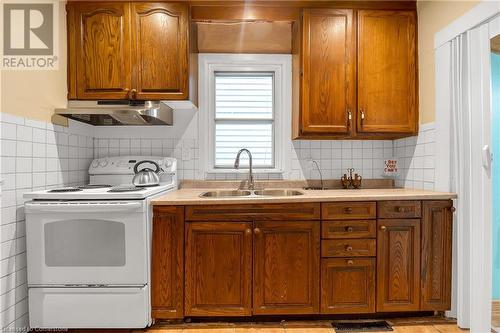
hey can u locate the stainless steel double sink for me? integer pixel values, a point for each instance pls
(248, 193)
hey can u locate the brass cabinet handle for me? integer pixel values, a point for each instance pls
(350, 262)
(348, 210)
(349, 229)
(256, 231)
(401, 209)
(453, 209)
(248, 231)
(362, 111)
(349, 117)
(133, 93)
(348, 248)
(383, 228)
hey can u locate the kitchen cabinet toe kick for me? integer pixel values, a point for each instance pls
(317, 259)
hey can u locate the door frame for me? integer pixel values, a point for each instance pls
(472, 307)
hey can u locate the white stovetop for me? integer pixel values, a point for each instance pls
(99, 194)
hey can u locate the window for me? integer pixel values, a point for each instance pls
(245, 102)
(244, 118)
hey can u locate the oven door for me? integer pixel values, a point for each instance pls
(86, 243)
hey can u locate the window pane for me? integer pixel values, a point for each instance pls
(256, 137)
(244, 96)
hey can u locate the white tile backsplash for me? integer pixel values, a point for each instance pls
(34, 155)
(416, 159)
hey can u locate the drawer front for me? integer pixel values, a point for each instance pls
(251, 212)
(349, 229)
(348, 248)
(399, 209)
(348, 210)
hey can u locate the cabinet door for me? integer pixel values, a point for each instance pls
(436, 255)
(328, 90)
(387, 67)
(348, 285)
(167, 267)
(218, 269)
(398, 265)
(99, 50)
(160, 50)
(286, 267)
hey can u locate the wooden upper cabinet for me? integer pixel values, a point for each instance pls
(127, 50)
(167, 268)
(160, 50)
(387, 69)
(329, 62)
(437, 223)
(286, 267)
(398, 265)
(99, 50)
(218, 269)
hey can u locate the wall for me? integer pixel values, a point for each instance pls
(35, 94)
(495, 85)
(432, 17)
(35, 155)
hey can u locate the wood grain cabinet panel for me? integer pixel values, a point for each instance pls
(218, 269)
(99, 50)
(399, 209)
(437, 224)
(167, 267)
(348, 248)
(286, 267)
(387, 68)
(160, 44)
(348, 210)
(398, 265)
(349, 229)
(328, 82)
(347, 286)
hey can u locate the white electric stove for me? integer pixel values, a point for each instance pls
(89, 248)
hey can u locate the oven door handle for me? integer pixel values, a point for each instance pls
(82, 207)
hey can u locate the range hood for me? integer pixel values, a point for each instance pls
(119, 113)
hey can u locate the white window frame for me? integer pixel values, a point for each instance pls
(281, 66)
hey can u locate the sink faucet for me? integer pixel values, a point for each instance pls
(251, 185)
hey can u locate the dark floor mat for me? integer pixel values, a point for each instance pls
(362, 326)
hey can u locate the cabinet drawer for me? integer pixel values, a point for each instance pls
(348, 210)
(399, 209)
(349, 229)
(348, 285)
(348, 248)
(250, 212)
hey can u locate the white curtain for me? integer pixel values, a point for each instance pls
(469, 93)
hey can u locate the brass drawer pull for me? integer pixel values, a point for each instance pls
(256, 231)
(349, 229)
(248, 231)
(383, 228)
(348, 210)
(350, 262)
(348, 248)
(401, 209)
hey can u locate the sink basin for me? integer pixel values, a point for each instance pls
(225, 194)
(278, 193)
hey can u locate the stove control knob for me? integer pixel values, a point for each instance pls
(95, 164)
(167, 163)
(103, 163)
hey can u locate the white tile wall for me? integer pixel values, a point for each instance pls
(416, 159)
(34, 155)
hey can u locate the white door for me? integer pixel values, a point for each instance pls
(89, 243)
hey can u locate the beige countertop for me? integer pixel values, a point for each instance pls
(191, 196)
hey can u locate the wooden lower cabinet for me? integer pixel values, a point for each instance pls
(257, 260)
(286, 267)
(348, 285)
(218, 269)
(167, 267)
(437, 223)
(398, 265)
